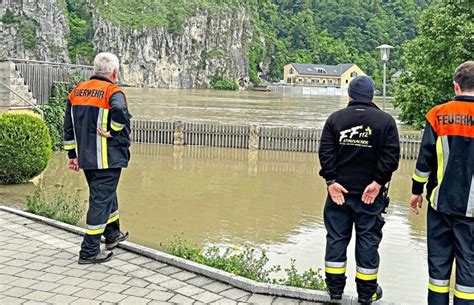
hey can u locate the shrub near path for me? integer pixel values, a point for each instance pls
(25, 147)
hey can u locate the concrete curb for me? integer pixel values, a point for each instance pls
(216, 274)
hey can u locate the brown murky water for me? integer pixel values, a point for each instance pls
(246, 107)
(271, 200)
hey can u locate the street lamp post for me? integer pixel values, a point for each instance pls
(384, 54)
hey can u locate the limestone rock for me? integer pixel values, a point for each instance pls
(47, 23)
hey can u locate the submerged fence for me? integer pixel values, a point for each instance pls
(41, 75)
(240, 136)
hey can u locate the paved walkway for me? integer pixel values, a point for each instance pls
(38, 265)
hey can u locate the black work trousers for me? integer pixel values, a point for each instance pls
(339, 221)
(450, 237)
(102, 215)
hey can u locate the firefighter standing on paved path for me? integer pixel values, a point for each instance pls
(97, 138)
(359, 151)
(446, 164)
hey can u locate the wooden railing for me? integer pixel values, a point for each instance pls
(41, 75)
(239, 136)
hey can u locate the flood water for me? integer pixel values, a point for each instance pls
(246, 107)
(270, 200)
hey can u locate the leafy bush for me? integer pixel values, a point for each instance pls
(28, 33)
(246, 262)
(54, 111)
(445, 41)
(54, 115)
(9, 17)
(61, 207)
(219, 82)
(25, 147)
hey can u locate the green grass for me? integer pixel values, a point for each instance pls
(170, 14)
(57, 205)
(246, 262)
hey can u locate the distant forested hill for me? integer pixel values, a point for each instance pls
(308, 31)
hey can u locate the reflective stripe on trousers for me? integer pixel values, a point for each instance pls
(335, 267)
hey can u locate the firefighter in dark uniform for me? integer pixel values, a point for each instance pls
(446, 164)
(96, 136)
(359, 151)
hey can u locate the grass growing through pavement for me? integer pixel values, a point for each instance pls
(246, 262)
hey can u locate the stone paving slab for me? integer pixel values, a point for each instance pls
(36, 268)
(38, 265)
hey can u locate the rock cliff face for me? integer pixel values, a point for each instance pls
(209, 45)
(34, 29)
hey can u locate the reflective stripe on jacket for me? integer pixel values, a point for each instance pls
(446, 158)
(97, 104)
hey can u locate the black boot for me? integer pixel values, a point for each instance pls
(335, 296)
(377, 296)
(110, 244)
(101, 257)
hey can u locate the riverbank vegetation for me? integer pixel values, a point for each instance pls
(246, 262)
(220, 82)
(57, 205)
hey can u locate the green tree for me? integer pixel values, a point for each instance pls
(446, 40)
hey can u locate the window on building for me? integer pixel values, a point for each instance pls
(300, 80)
(288, 80)
(291, 71)
(330, 81)
(354, 74)
(347, 81)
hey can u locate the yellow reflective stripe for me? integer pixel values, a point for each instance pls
(116, 126)
(70, 147)
(105, 162)
(95, 232)
(113, 218)
(438, 289)
(366, 277)
(333, 270)
(419, 179)
(464, 295)
(439, 153)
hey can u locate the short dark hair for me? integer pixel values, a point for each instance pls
(464, 75)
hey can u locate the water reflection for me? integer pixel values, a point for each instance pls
(271, 200)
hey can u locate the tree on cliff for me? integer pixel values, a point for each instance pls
(446, 40)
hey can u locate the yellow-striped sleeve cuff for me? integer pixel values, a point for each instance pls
(419, 179)
(69, 145)
(116, 126)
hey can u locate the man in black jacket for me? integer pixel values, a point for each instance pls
(359, 152)
(97, 139)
